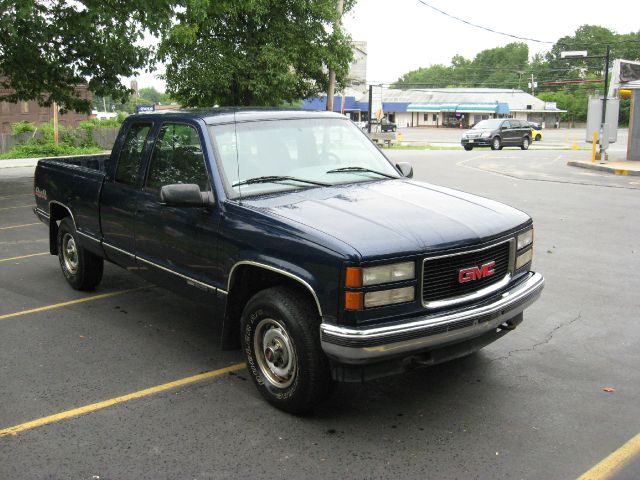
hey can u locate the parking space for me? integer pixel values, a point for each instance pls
(529, 406)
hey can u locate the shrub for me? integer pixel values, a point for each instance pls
(70, 141)
(22, 127)
(34, 150)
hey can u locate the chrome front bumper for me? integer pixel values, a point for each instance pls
(367, 345)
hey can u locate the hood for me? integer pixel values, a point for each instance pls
(395, 217)
(477, 132)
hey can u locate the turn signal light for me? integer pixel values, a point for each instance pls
(353, 277)
(353, 300)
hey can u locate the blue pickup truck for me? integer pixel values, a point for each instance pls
(324, 260)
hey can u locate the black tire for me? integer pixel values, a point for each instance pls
(468, 147)
(538, 137)
(496, 144)
(82, 269)
(525, 143)
(281, 341)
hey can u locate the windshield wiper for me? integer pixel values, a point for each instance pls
(359, 169)
(277, 178)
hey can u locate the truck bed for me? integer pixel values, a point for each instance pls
(75, 182)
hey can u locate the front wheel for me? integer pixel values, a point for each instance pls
(538, 137)
(525, 143)
(468, 147)
(281, 342)
(496, 144)
(82, 269)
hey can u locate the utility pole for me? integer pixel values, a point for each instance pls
(533, 86)
(603, 129)
(332, 73)
(55, 123)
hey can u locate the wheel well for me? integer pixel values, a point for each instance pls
(247, 280)
(56, 213)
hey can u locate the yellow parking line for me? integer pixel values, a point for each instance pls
(71, 302)
(17, 206)
(23, 256)
(614, 462)
(19, 226)
(114, 401)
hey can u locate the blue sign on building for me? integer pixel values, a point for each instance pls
(145, 108)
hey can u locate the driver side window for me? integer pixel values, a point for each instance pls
(177, 158)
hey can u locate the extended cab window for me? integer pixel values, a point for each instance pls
(177, 158)
(131, 153)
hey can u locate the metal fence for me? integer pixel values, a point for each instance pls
(104, 137)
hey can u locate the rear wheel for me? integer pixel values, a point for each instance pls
(281, 342)
(82, 269)
(468, 147)
(496, 144)
(525, 143)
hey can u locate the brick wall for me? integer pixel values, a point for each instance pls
(34, 113)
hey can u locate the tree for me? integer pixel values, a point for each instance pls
(433, 76)
(47, 48)
(254, 52)
(497, 67)
(149, 95)
(509, 67)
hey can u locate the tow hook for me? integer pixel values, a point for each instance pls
(512, 323)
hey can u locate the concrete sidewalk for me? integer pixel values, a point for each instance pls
(19, 162)
(621, 167)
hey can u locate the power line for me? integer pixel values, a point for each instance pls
(481, 27)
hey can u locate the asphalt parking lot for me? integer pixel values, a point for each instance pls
(530, 406)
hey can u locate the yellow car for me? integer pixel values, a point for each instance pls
(536, 133)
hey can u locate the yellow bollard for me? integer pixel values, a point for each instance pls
(593, 146)
(574, 145)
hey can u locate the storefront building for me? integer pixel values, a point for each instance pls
(447, 107)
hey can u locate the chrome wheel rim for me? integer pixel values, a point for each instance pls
(525, 143)
(496, 143)
(275, 354)
(70, 253)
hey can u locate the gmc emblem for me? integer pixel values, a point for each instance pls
(475, 273)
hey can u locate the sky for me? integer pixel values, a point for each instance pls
(403, 35)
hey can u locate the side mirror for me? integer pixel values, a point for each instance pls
(405, 169)
(185, 195)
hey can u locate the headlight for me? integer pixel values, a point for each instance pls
(389, 297)
(525, 239)
(486, 135)
(523, 259)
(395, 272)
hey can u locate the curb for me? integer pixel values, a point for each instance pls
(17, 163)
(605, 168)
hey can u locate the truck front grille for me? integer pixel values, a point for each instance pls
(441, 275)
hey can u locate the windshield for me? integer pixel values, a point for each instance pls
(488, 124)
(279, 155)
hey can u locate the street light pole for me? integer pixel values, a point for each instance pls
(604, 105)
